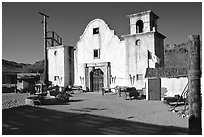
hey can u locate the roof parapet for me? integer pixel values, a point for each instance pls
(141, 13)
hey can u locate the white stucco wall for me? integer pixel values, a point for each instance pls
(56, 65)
(137, 56)
(111, 50)
(59, 65)
(173, 86)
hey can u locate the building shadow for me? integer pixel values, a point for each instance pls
(29, 120)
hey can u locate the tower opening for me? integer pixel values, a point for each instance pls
(139, 26)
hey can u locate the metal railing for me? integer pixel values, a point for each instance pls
(53, 39)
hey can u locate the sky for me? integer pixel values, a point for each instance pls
(22, 30)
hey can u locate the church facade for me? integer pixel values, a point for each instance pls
(101, 59)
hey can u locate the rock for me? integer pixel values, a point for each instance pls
(29, 102)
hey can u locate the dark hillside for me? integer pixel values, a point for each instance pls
(176, 56)
(36, 67)
(11, 66)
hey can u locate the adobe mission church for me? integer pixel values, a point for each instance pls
(100, 59)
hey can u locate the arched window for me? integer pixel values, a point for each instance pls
(139, 26)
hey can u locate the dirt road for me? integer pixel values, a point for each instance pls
(154, 112)
(92, 113)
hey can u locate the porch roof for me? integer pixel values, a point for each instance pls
(166, 72)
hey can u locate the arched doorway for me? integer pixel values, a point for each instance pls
(139, 26)
(96, 80)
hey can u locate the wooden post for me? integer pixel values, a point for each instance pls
(194, 75)
(108, 75)
(53, 37)
(45, 48)
(86, 70)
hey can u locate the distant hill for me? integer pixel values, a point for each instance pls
(11, 66)
(36, 67)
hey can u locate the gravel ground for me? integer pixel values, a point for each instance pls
(10, 100)
(90, 113)
(152, 112)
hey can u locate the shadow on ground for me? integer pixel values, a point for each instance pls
(76, 100)
(28, 120)
(88, 109)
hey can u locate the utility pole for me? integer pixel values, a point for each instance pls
(194, 95)
(45, 47)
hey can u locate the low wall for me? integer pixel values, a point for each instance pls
(172, 86)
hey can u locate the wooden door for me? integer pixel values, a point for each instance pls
(154, 89)
(97, 80)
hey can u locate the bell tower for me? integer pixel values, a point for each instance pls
(143, 22)
(144, 39)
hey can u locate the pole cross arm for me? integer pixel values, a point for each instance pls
(43, 14)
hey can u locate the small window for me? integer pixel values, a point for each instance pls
(96, 53)
(138, 42)
(55, 53)
(95, 30)
(139, 77)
